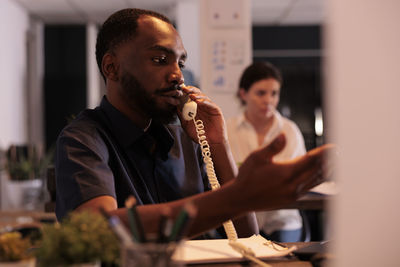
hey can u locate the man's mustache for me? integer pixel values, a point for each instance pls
(172, 88)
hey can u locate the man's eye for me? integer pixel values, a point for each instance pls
(182, 65)
(160, 60)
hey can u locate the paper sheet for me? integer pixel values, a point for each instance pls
(219, 250)
(326, 188)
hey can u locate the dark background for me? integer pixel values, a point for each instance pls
(65, 76)
(302, 88)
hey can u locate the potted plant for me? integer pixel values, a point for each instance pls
(14, 250)
(82, 238)
(25, 166)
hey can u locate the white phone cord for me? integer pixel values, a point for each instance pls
(212, 178)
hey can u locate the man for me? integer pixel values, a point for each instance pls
(126, 146)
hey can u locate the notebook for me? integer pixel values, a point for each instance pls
(219, 250)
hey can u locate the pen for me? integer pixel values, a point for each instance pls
(181, 225)
(165, 225)
(117, 227)
(134, 220)
(132, 224)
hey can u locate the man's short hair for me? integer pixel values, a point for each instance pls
(118, 28)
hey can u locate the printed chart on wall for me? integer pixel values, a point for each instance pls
(228, 57)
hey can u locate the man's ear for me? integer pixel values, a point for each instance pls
(110, 67)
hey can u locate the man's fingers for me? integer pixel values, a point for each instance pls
(308, 180)
(262, 156)
(313, 168)
(191, 90)
(273, 148)
(328, 154)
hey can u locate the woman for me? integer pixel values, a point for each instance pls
(257, 126)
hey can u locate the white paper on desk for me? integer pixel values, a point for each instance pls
(326, 188)
(219, 250)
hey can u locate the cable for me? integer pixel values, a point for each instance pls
(212, 178)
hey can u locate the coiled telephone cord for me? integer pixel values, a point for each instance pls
(212, 178)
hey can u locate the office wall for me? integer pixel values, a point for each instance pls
(14, 23)
(363, 71)
(225, 49)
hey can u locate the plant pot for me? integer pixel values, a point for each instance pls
(24, 263)
(23, 195)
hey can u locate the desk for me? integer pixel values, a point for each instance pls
(14, 218)
(290, 261)
(311, 201)
(19, 218)
(312, 207)
(277, 263)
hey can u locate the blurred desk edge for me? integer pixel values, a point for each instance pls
(18, 218)
(311, 201)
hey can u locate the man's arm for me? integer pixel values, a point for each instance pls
(225, 167)
(250, 191)
(213, 208)
(226, 170)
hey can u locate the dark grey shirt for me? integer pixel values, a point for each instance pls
(102, 152)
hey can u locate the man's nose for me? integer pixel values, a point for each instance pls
(176, 76)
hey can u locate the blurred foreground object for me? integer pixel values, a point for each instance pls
(15, 249)
(83, 237)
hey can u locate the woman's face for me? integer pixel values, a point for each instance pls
(262, 98)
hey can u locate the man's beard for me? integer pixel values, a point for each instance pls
(137, 96)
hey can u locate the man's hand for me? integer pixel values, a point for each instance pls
(269, 185)
(209, 113)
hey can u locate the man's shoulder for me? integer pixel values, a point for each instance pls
(85, 124)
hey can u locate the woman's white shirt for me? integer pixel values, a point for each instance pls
(243, 140)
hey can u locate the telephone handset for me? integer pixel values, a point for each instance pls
(189, 111)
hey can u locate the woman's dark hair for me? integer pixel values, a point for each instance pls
(118, 28)
(256, 72)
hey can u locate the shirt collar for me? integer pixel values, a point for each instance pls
(241, 120)
(163, 137)
(127, 133)
(276, 126)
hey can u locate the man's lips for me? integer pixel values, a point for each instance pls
(172, 93)
(172, 97)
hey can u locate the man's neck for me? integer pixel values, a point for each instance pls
(138, 117)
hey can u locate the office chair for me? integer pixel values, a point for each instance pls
(306, 230)
(50, 206)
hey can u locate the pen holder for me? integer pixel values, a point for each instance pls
(149, 254)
